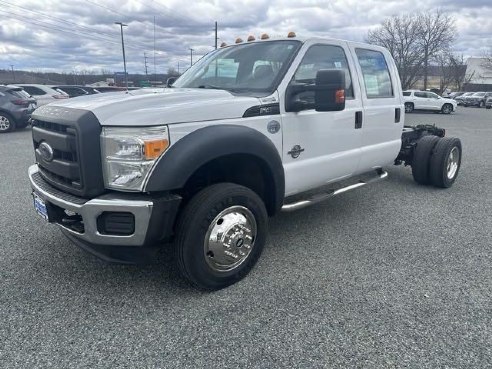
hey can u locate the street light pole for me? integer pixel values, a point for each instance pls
(13, 73)
(123, 47)
(191, 56)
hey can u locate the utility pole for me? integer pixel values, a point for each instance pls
(123, 47)
(145, 61)
(191, 56)
(13, 73)
(178, 66)
(216, 38)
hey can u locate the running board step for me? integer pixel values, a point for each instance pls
(380, 174)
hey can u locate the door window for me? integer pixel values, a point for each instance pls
(375, 72)
(323, 57)
(420, 94)
(432, 95)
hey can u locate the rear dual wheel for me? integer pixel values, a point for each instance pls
(445, 162)
(437, 161)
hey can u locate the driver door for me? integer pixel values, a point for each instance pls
(320, 147)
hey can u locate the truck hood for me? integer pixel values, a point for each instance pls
(149, 107)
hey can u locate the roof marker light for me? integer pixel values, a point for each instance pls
(291, 34)
(264, 36)
(223, 44)
(239, 40)
(251, 38)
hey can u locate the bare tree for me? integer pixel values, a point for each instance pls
(400, 35)
(437, 33)
(413, 41)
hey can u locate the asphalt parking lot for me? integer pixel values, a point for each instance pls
(391, 275)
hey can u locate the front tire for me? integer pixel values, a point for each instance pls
(7, 123)
(220, 235)
(421, 159)
(447, 108)
(445, 162)
(408, 107)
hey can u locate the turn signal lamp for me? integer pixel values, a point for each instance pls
(264, 36)
(251, 38)
(154, 148)
(239, 40)
(291, 34)
(340, 96)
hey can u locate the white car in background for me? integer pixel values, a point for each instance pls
(44, 94)
(425, 100)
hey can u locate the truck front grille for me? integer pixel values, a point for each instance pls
(63, 167)
(71, 138)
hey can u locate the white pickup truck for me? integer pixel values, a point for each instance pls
(250, 130)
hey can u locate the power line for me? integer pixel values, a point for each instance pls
(83, 29)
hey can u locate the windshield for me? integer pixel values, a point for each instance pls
(479, 94)
(252, 67)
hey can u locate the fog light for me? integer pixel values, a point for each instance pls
(116, 223)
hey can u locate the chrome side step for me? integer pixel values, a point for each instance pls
(380, 175)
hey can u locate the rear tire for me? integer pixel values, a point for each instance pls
(7, 123)
(445, 162)
(408, 107)
(220, 235)
(447, 108)
(421, 159)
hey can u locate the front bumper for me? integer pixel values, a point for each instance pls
(153, 215)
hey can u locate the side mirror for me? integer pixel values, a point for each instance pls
(170, 81)
(329, 94)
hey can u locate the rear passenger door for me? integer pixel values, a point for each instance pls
(421, 101)
(383, 106)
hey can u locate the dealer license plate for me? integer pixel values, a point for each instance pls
(40, 206)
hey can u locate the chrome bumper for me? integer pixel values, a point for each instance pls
(91, 209)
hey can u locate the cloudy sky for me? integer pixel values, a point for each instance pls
(75, 35)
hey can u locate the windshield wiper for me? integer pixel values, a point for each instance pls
(212, 87)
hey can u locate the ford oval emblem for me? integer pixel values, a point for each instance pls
(46, 151)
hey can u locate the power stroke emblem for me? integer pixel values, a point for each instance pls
(273, 126)
(46, 151)
(295, 151)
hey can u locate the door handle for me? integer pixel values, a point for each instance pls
(397, 115)
(358, 119)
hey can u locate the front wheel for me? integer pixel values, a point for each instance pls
(220, 235)
(447, 108)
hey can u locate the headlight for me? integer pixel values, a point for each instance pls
(129, 153)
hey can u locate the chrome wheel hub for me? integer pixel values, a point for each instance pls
(230, 238)
(4, 123)
(453, 160)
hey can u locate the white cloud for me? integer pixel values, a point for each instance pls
(66, 35)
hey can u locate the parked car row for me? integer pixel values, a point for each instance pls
(478, 99)
(17, 102)
(426, 100)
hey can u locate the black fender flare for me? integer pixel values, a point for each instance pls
(199, 147)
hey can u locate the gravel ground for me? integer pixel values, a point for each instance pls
(392, 275)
